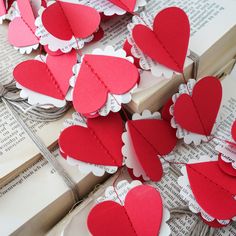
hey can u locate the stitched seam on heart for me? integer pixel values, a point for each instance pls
(96, 75)
(102, 146)
(209, 180)
(154, 148)
(67, 20)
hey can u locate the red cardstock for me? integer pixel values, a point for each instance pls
(141, 214)
(127, 5)
(214, 223)
(50, 78)
(165, 111)
(233, 131)
(64, 20)
(21, 29)
(168, 42)
(197, 113)
(98, 76)
(214, 190)
(151, 138)
(52, 53)
(226, 167)
(99, 144)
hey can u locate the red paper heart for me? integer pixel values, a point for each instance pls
(99, 75)
(233, 131)
(100, 143)
(127, 5)
(151, 138)
(140, 215)
(50, 78)
(197, 113)
(214, 190)
(168, 42)
(21, 29)
(226, 167)
(165, 111)
(214, 223)
(72, 19)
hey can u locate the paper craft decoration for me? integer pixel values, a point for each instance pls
(116, 7)
(21, 31)
(97, 144)
(147, 140)
(227, 150)
(75, 25)
(76, 156)
(139, 212)
(3, 11)
(201, 106)
(209, 190)
(103, 81)
(45, 80)
(161, 46)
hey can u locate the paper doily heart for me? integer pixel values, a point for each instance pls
(197, 113)
(151, 138)
(100, 143)
(21, 29)
(226, 167)
(140, 215)
(127, 5)
(167, 44)
(72, 19)
(50, 78)
(214, 190)
(98, 76)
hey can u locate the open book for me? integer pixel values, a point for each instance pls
(17, 151)
(76, 222)
(213, 37)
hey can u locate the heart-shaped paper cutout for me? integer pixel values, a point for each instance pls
(72, 19)
(2, 8)
(21, 31)
(140, 215)
(127, 5)
(50, 78)
(98, 76)
(165, 111)
(197, 113)
(214, 190)
(226, 167)
(100, 143)
(151, 138)
(168, 42)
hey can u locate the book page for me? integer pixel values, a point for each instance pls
(16, 148)
(32, 191)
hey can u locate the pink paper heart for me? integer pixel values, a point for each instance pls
(2, 8)
(50, 78)
(197, 113)
(98, 76)
(94, 144)
(166, 43)
(21, 29)
(140, 215)
(72, 19)
(127, 5)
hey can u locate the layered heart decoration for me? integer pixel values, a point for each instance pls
(161, 47)
(21, 31)
(147, 140)
(209, 190)
(3, 11)
(227, 150)
(140, 213)
(89, 145)
(117, 7)
(45, 80)
(74, 26)
(201, 106)
(103, 81)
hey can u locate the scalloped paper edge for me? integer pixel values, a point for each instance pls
(122, 189)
